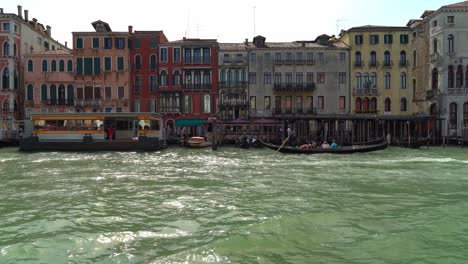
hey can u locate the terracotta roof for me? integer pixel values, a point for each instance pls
(232, 46)
(461, 4)
(51, 52)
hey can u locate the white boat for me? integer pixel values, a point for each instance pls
(198, 142)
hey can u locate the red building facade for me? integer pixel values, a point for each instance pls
(144, 56)
(188, 84)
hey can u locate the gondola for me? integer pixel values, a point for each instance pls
(340, 150)
(415, 144)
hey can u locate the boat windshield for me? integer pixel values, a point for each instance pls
(68, 124)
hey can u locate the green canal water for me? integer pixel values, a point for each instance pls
(234, 206)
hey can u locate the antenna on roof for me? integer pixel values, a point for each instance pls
(254, 20)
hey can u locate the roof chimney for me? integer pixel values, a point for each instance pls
(130, 29)
(20, 11)
(26, 14)
(246, 42)
(48, 31)
(1, 10)
(35, 23)
(66, 44)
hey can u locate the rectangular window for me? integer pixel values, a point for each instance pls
(278, 58)
(299, 78)
(288, 57)
(6, 26)
(321, 102)
(310, 77)
(153, 83)
(206, 56)
(298, 104)
(97, 66)
(288, 78)
(108, 93)
(374, 39)
(310, 58)
(358, 39)
(44, 93)
(120, 64)
(320, 77)
(252, 77)
(108, 109)
(253, 102)
(152, 105)
(266, 102)
(79, 93)
(388, 39)
(310, 103)
(342, 77)
(153, 43)
(107, 64)
(252, 57)
(342, 102)
(288, 104)
(137, 43)
(299, 57)
(450, 20)
(79, 66)
(226, 58)
(163, 56)
(95, 43)
(137, 87)
(342, 56)
(136, 105)
(121, 92)
(266, 57)
(239, 58)
(267, 78)
(79, 43)
(188, 104)
(434, 23)
(176, 54)
(404, 39)
(120, 43)
(88, 66)
(107, 43)
(278, 78)
(321, 56)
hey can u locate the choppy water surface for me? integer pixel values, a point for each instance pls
(234, 206)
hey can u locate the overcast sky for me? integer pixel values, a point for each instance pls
(227, 21)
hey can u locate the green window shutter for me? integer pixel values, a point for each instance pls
(97, 66)
(88, 66)
(44, 92)
(79, 66)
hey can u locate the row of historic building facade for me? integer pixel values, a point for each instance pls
(420, 69)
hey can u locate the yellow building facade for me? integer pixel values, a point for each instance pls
(381, 70)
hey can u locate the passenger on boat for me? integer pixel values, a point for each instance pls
(305, 146)
(334, 146)
(325, 145)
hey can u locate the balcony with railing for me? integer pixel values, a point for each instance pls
(195, 61)
(295, 111)
(366, 91)
(233, 104)
(366, 111)
(88, 102)
(431, 94)
(170, 109)
(52, 102)
(358, 64)
(293, 87)
(239, 84)
(404, 63)
(457, 91)
(197, 86)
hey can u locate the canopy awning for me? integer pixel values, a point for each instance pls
(189, 122)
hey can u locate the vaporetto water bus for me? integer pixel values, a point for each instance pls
(93, 132)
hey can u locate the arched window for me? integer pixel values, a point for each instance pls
(14, 52)
(53, 66)
(403, 104)
(358, 58)
(388, 105)
(373, 104)
(358, 80)
(30, 66)
(435, 79)
(70, 94)
(459, 76)
(365, 104)
(30, 92)
(366, 82)
(414, 59)
(453, 115)
(176, 78)
(163, 78)
(44, 65)
(451, 46)
(465, 115)
(403, 61)
(387, 58)
(387, 80)
(6, 79)
(44, 92)
(434, 45)
(373, 80)
(137, 62)
(69, 65)
(62, 66)
(358, 104)
(53, 94)
(6, 49)
(373, 59)
(6, 105)
(206, 103)
(403, 80)
(153, 61)
(16, 81)
(451, 76)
